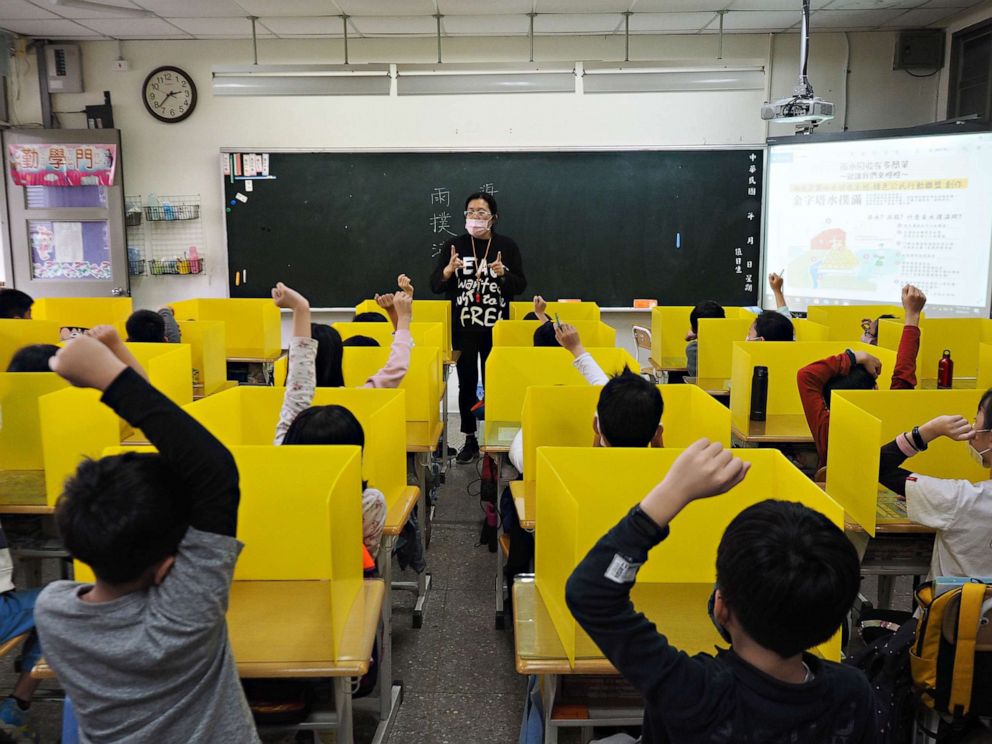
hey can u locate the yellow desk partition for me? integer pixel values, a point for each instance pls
(594, 333)
(424, 311)
(84, 312)
(567, 311)
(984, 381)
(962, 336)
(583, 492)
(844, 321)
(423, 334)
(248, 415)
(20, 430)
(717, 336)
(784, 360)
(422, 382)
(510, 370)
(253, 329)
(15, 334)
(861, 421)
(206, 344)
(169, 368)
(562, 416)
(669, 326)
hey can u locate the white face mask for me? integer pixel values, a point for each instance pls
(476, 228)
(978, 456)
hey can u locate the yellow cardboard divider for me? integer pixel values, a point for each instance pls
(20, 420)
(15, 334)
(510, 370)
(861, 421)
(984, 380)
(562, 416)
(423, 334)
(961, 335)
(206, 344)
(85, 312)
(594, 333)
(717, 336)
(844, 321)
(583, 492)
(422, 382)
(169, 368)
(669, 326)
(74, 425)
(567, 311)
(807, 330)
(248, 415)
(424, 311)
(253, 328)
(784, 360)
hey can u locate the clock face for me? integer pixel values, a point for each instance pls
(169, 94)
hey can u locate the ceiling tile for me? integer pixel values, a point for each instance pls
(23, 10)
(679, 6)
(134, 28)
(485, 7)
(920, 17)
(774, 5)
(395, 26)
(582, 6)
(775, 20)
(58, 28)
(483, 25)
(577, 23)
(664, 22)
(237, 28)
(194, 8)
(301, 26)
(70, 12)
(852, 19)
(263, 8)
(387, 7)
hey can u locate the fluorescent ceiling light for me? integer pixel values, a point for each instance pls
(470, 79)
(633, 77)
(301, 80)
(96, 7)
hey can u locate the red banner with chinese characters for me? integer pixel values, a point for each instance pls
(62, 165)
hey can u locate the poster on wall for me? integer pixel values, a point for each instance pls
(62, 165)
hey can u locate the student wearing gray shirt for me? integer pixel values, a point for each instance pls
(144, 653)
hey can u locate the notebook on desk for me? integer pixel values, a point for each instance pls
(891, 506)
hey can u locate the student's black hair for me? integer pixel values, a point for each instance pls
(359, 341)
(985, 406)
(122, 514)
(531, 316)
(145, 327)
(545, 335)
(788, 574)
(629, 410)
(771, 325)
(33, 358)
(369, 317)
(326, 425)
(14, 303)
(329, 355)
(858, 378)
(487, 198)
(708, 309)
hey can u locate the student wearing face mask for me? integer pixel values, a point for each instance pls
(960, 511)
(479, 272)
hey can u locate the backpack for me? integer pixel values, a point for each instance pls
(951, 657)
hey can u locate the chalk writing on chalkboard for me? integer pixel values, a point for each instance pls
(440, 219)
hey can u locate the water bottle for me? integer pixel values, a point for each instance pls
(759, 393)
(945, 371)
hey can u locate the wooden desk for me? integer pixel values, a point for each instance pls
(959, 383)
(422, 436)
(718, 387)
(267, 363)
(787, 428)
(23, 492)
(525, 501)
(670, 364)
(279, 629)
(497, 436)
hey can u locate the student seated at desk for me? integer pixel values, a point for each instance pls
(15, 304)
(708, 309)
(960, 511)
(365, 341)
(33, 358)
(301, 423)
(386, 303)
(786, 578)
(148, 327)
(858, 370)
(773, 325)
(144, 653)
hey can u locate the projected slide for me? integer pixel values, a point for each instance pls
(852, 221)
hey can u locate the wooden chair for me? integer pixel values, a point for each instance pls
(7, 646)
(642, 342)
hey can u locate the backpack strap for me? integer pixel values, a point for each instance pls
(969, 615)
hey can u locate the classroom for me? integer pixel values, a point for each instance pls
(311, 310)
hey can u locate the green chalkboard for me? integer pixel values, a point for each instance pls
(609, 226)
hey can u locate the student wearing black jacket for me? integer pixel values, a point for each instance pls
(786, 578)
(479, 272)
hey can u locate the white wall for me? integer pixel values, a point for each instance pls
(183, 158)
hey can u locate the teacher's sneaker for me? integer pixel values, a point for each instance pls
(469, 451)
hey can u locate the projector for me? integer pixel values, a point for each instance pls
(797, 110)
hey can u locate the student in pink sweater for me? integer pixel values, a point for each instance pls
(315, 356)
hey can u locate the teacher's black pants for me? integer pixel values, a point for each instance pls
(475, 348)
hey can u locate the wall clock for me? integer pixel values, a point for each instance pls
(169, 94)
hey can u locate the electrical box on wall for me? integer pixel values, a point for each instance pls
(64, 67)
(921, 49)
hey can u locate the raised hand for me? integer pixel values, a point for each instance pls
(956, 428)
(871, 363)
(454, 264)
(404, 283)
(86, 362)
(569, 338)
(287, 297)
(497, 265)
(913, 301)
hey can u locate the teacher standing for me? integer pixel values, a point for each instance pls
(479, 272)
